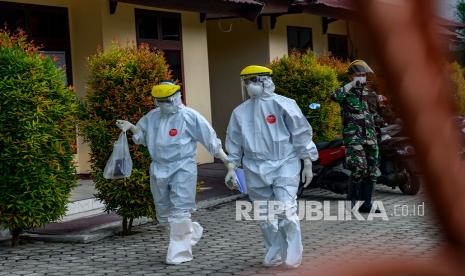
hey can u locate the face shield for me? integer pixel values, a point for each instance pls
(252, 86)
(170, 104)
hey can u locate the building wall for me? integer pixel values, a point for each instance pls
(92, 26)
(338, 27)
(196, 71)
(85, 19)
(278, 35)
(244, 44)
(85, 24)
(232, 45)
(121, 27)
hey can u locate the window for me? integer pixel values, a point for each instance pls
(146, 26)
(299, 39)
(338, 46)
(170, 28)
(173, 58)
(46, 26)
(162, 30)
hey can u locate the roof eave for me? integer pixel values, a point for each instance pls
(246, 10)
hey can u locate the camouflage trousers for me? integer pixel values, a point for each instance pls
(363, 162)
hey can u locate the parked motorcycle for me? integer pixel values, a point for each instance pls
(397, 167)
(329, 171)
(397, 164)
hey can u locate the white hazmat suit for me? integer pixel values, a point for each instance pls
(269, 133)
(171, 133)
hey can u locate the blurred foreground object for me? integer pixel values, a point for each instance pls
(408, 54)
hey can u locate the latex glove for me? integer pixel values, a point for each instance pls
(125, 126)
(222, 156)
(385, 137)
(352, 84)
(307, 173)
(360, 80)
(349, 86)
(230, 179)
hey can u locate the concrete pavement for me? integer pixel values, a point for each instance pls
(231, 247)
(86, 221)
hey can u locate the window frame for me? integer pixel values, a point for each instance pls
(299, 28)
(347, 45)
(50, 44)
(163, 45)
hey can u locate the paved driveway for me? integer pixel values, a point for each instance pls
(234, 247)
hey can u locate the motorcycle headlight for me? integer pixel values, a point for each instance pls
(406, 151)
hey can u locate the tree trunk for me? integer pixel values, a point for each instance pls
(15, 236)
(125, 226)
(131, 220)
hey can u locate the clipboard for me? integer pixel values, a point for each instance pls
(240, 179)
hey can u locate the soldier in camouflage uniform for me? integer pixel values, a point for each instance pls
(360, 134)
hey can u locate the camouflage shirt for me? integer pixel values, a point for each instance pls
(358, 114)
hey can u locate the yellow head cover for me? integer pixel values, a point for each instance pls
(165, 90)
(256, 70)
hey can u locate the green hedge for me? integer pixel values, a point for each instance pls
(119, 87)
(37, 138)
(338, 65)
(458, 82)
(301, 77)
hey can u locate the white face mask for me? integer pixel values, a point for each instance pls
(361, 80)
(254, 89)
(168, 108)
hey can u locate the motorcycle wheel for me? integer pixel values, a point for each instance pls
(411, 185)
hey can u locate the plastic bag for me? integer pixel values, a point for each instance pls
(120, 164)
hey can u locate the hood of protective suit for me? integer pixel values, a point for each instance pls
(262, 89)
(172, 106)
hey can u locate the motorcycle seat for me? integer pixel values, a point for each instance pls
(329, 145)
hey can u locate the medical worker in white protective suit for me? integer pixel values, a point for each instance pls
(269, 133)
(171, 133)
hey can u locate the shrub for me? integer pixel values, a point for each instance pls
(38, 131)
(458, 82)
(119, 87)
(299, 76)
(338, 65)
